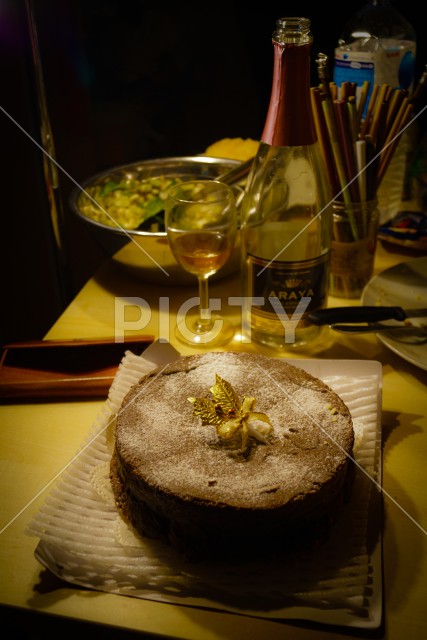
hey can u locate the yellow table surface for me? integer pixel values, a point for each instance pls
(37, 441)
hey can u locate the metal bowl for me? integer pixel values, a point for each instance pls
(145, 254)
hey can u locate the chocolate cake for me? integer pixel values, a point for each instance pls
(229, 452)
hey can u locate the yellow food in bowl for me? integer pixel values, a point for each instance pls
(233, 148)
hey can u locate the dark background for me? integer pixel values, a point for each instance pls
(125, 80)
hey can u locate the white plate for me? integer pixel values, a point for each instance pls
(404, 285)
(84, 541)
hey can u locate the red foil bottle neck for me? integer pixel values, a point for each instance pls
(289, 119)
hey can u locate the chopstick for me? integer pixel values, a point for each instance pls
(352, 132)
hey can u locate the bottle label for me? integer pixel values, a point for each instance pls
(393, 64)
(354, 66)
(289, 282)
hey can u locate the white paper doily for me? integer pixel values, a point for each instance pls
(84, 541)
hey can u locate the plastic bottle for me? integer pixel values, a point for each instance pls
(379, 45)
(286, 217)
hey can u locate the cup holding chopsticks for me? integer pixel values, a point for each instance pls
(354, 237)
(358, 132)
(352, 168)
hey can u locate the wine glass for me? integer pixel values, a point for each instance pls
(201, 225)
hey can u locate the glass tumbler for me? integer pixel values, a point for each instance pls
(354, 239)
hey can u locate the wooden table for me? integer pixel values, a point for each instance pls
(37, 441)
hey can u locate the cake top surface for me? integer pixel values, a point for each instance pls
(163, 443)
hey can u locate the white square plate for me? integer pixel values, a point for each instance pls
(84, 541)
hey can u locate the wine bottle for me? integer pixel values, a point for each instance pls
(286, 215)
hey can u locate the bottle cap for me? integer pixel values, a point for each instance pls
(293, 30)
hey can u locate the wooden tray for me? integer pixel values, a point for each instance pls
(63, 369)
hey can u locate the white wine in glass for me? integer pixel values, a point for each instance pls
(201, 224)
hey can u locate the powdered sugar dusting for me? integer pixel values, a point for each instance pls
(159, 437)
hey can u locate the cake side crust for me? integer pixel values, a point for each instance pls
(172, 478)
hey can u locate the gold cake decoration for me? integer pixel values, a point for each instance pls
(232, 418)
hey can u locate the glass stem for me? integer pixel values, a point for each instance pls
(204, 322)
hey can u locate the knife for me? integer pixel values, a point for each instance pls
(363, 314)
(397, 331)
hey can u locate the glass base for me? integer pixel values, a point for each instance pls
(191, 332)
(309, 339)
